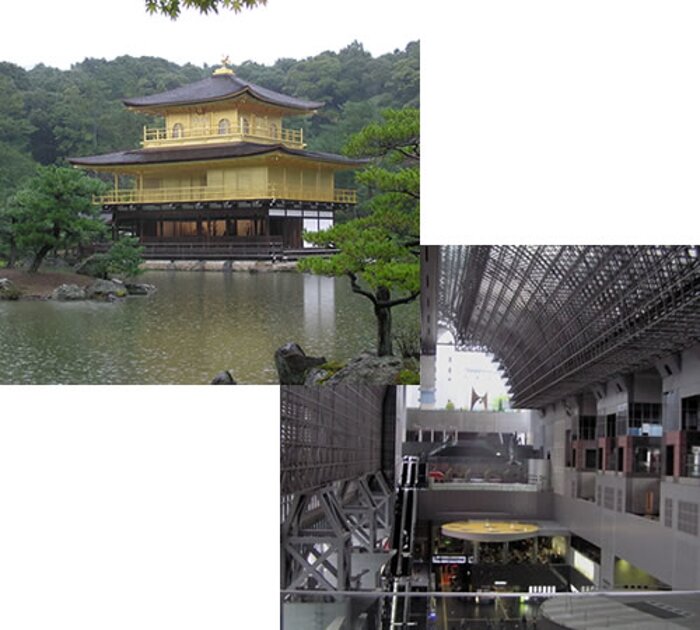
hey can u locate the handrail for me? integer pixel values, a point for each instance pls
(222, 193)
(160, 136)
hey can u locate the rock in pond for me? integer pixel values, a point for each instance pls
(292, 364)
(106, 290)
(367, 368)
(134, 288)
(8, 290)
(224, 378)
(68, 292)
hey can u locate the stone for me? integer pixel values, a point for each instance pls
(135, 288)
(68, 292)
(105, 290)
(224, 378)
(292, 364)
(8, 290)
(366, 368)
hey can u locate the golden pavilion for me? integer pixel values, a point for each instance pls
(223, 177)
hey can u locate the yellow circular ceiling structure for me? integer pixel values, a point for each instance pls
(489, 531)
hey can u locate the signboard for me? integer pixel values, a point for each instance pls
(449, 559)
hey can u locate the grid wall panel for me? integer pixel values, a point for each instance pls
(329, 434)
(688, 517)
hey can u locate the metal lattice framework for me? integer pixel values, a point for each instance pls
(560, 318)
(327, 526)
(329, 434)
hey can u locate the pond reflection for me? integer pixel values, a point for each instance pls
(196, 325)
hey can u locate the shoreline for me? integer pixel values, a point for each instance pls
(39, 286)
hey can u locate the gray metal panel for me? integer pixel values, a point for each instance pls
(329, 434)
(445, 505)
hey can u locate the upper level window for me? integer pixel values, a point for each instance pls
(224, 127)
(178, 130)
(274, 131)
(245, 126)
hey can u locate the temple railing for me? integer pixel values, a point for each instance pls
(223, 193)
(214, 249)
(160, 136)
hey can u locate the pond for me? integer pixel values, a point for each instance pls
(197, 324)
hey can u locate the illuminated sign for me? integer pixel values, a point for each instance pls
(449, 559)
(584, 566)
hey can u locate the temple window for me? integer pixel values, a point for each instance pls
(178, 130)
(245, 126)
(224, 127)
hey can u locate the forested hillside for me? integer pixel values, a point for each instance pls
(47, 114)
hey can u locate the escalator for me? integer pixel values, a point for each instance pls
(402, 539)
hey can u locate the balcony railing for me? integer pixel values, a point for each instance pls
(159, 137)
(222, 193)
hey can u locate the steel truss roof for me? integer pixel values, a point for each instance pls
(561, 318)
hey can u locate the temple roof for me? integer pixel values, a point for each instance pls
(217, 88)
(206, 152)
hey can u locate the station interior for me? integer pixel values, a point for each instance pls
(572, 503)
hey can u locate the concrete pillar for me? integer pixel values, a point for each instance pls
(427, 381)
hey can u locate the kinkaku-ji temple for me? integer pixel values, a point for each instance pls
(224, 177)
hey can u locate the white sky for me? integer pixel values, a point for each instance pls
(569, 122)
(62, 32)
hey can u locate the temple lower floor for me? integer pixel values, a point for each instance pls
(215, 230)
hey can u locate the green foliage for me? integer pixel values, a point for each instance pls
(10, 294)
(15, 167)
(54, 210)
(394, 145)
(407, 340)
(408, 377)
(395, 138)
(450, 406)
(172, 8)
(500, 403)
(330, 368)
(372, 247)
(379, 252)
(124, 258)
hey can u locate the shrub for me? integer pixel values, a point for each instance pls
(124, 258)
(407, 340)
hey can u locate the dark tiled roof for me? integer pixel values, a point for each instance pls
(208, 152)
(218, 88)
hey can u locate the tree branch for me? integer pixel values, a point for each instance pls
(405, 300)
(357, 289)
(411, 155)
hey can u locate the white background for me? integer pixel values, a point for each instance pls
(561, 122)
(139, 507)
(62, 33)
